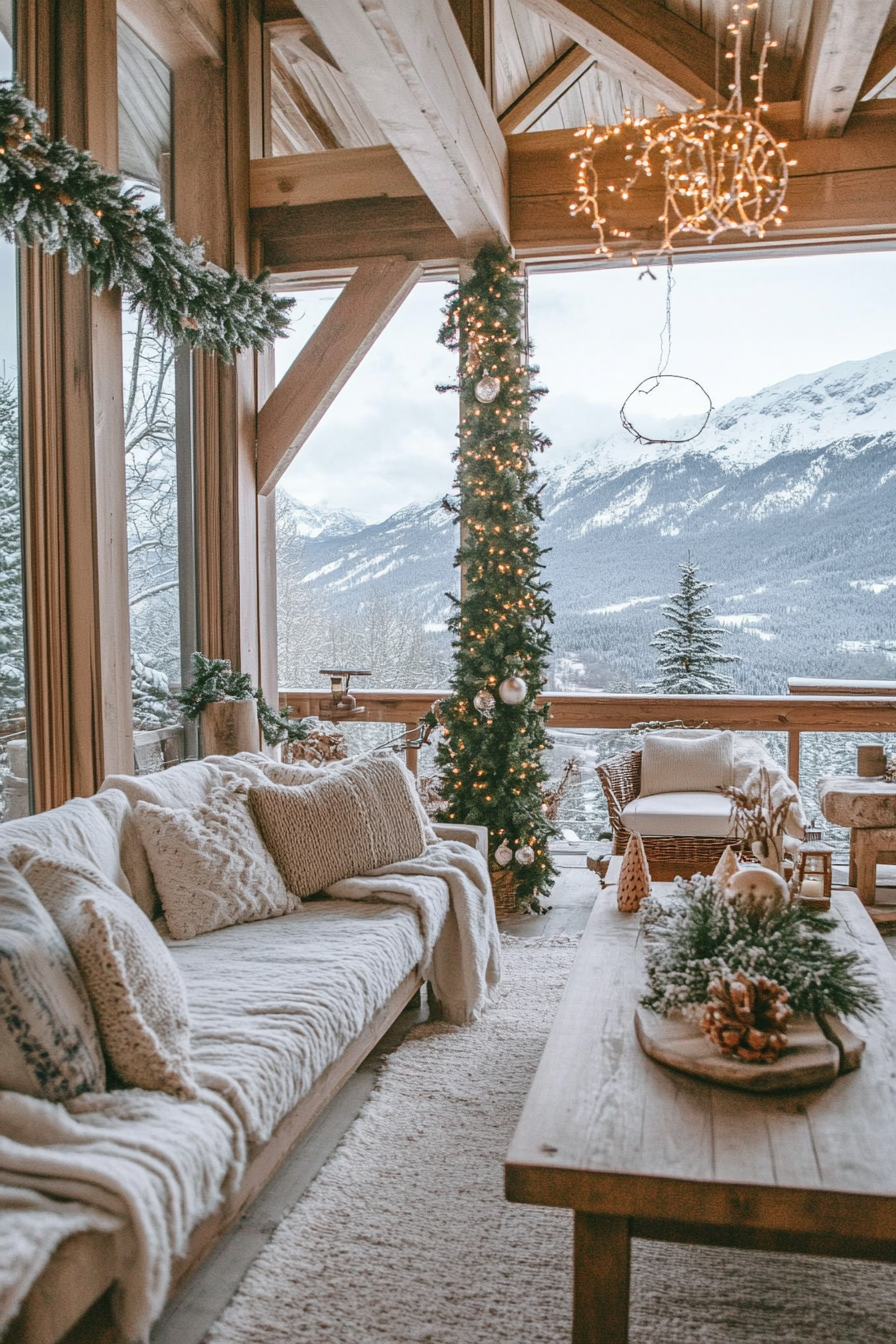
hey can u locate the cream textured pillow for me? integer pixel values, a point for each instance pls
(210, 867)
(49, 1046)
(348, 822)
(136, 990)
(278, 773)
(701, 764)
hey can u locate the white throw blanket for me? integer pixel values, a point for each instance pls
(463, 962)
(112, 1155)
(749, 757)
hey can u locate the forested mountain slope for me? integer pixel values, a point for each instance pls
(787, 501)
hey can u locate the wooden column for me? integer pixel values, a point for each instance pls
(75, 533)
(211, 199)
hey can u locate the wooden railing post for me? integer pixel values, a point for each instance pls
(793, 756)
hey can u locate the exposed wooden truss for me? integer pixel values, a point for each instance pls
(545, 90)
(669, 59)
(842, 41)
(880, 79)
(842, 192)
(410, 65)
(337, 175)
(324, 365)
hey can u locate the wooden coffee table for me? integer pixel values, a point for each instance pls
(639, 1150)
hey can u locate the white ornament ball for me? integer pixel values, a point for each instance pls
(484, 702)
(525, 855)
(758, 890)
(487, 388)
(513, 690)
(503, 854)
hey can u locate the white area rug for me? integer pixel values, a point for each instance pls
(406, 1238)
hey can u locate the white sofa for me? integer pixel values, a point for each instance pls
(281, 1013)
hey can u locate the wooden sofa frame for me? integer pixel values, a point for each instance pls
(69, 1302)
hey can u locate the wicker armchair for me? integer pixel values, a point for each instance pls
(668, 856)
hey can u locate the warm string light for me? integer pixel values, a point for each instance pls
(722, 170)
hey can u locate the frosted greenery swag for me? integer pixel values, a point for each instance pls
(55, 196)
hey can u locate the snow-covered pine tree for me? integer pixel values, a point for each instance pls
(12, 630)
(690, 646)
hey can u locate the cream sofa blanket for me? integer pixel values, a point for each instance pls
(449, 888)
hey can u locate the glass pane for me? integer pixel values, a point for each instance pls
(365, 551)
(14, 776)
(151, 373)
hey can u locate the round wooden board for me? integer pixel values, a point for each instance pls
(810, 1060)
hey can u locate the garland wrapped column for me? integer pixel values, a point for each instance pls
(492, 754)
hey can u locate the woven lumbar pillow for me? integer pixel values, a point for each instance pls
(348, 822)
(49, 1045)
(209, 864)
(699, 764)
(137, 993)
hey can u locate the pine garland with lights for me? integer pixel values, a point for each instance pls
(55, 196)
(492, 762)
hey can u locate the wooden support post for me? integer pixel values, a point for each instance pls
(75, 533)
(322, 367)
(793, 757)
(411, 754)
(601, 1270)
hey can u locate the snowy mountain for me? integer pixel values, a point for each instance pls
(314, 522)
(786, 500)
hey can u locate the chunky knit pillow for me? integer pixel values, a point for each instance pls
(137, 994)
(49, 1046)
(349, 821)
(209, 864)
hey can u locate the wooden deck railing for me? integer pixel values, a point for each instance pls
(791, 714)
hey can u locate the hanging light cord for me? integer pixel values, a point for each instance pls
(666, 333)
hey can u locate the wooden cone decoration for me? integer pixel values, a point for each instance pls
(726, 867)
(634, 876)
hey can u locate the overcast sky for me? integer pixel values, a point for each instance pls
(737, 327)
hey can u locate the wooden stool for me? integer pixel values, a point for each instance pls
(868, 808)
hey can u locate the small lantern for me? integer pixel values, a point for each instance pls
(814, 871)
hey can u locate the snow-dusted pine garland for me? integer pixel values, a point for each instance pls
(55, 196)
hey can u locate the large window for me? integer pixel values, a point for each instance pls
(14, 773)
(157, 438)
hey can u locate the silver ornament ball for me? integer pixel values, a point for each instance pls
(484, 702)
(487, 388)
(503, 854)
(525, 855)
(513, 690)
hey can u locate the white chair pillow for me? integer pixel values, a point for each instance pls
(699, 764)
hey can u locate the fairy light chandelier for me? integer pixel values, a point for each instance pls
(722, 170)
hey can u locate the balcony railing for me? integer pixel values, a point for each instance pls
(842, 712)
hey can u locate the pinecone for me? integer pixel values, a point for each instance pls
(747, 1018)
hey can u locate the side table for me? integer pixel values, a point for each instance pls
(868, 808)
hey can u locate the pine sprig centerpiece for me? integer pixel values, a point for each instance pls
(708, 938)
(55, 196)
(492, 757)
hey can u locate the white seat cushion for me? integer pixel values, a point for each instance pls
(698, 814)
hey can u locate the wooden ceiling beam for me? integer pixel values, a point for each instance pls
(843, 37)
(544, 92)
(882, 70)
(408, 61)
(642, 44)
(841, 190)
(334, 175)
(324, 365)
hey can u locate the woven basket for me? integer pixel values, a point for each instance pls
(668, 856)
(503, 891)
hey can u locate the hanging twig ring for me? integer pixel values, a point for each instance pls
(644, 389)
